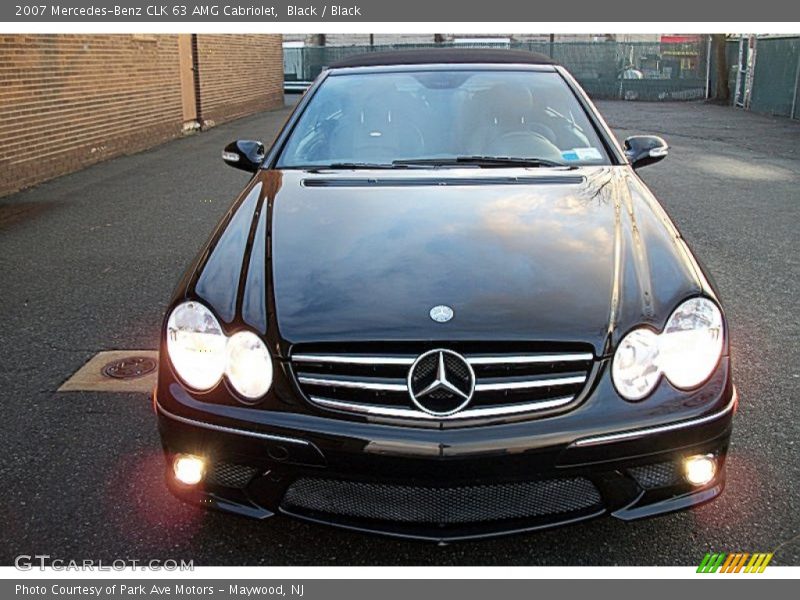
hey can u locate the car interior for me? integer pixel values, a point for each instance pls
(401, 118)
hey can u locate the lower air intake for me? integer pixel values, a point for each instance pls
(656, 475)
(453, 505)
(230, 475)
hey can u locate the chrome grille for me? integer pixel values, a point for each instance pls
(372, 379)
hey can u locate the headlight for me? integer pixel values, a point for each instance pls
(196, 345)
(691, 343)
(686, 352)
(248, 366)
(635, 367)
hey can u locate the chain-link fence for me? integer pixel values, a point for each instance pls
(775, 80)
(606, 70)
(764, 74)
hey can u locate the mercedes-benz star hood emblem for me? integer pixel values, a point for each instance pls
(441, 313)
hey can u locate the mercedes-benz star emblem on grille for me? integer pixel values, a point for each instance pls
(441, 382)
(441, 313)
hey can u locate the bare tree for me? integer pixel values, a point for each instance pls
(316, 39)
(719, 58)
(438, 38)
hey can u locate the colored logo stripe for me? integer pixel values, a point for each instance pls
(758, 563)
(726, 566)
(711, 562)
(734, 562)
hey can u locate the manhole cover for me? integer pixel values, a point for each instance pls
(130, 367)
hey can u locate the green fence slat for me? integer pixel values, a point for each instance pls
(775, 76)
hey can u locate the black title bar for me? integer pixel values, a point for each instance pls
(450, 11)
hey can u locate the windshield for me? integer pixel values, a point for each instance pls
(432, 116)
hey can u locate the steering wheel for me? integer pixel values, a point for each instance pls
(544, 130)
(525, 144)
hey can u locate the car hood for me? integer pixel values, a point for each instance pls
(525, 254)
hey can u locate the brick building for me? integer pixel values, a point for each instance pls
(68, 101)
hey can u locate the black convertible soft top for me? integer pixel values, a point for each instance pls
(443, 55)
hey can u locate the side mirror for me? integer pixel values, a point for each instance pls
(246, 155)
(643, 150)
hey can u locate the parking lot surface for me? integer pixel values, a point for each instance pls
(88, 262)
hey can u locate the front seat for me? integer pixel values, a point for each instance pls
(503, 115)
(381, 129)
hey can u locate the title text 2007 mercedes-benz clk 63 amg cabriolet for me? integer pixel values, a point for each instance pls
(445, 306)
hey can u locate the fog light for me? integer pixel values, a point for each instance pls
(188, 469)
(700, 469)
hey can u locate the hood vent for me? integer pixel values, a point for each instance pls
(439, 181)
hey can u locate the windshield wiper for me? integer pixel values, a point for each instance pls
(521, 161)
(421, 163)
(353, 165)
(484, 161)
(359, 165)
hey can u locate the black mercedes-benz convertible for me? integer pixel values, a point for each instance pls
(445, 306)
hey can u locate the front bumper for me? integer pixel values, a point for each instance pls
(450, 484)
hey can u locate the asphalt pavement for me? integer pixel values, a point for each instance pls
(88, 262)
